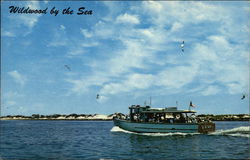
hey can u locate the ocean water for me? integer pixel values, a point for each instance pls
(100, 140)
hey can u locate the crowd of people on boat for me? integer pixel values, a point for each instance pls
(160, 118)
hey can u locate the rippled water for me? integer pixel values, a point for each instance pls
(100, 140)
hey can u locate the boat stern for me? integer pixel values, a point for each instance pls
(206, 127)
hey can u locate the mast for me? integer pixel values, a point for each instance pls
(150, 101)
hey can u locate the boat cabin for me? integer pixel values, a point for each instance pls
(160, 115)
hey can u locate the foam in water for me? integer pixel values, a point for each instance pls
(118, 129)
(243, 131)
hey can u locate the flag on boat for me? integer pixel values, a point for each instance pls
(191, 104)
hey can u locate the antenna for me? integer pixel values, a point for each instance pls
(150, 101)
(190, 106)
(176, 103)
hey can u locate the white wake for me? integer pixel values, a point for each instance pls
(243, 131)
(118, 129)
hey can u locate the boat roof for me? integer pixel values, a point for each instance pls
(138, 106)
(167, 111)
(148, 109)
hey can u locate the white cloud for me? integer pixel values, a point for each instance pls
(176, 27)
(147, 32)
(131, 56)
(78, 86)
(76, 51)
(119, 65)
(22, 24)
(131, 83)
(10, 101)
(62, 27)
(82, 84)
(59, 38)
(102, 99)
(104, 30)
(127, 18)
(153, 6)
(57, 43)
(177, 77)
(205, 66)
(18, 78)
(203, 53)
(220, 44)
(30, 20)
(140, 81)
(173, 79)
(114, 88)
(166, 13)
(86, 33)
(211, 90)
(89, 44)
(8, 34)
(79, 48)
(218, 60)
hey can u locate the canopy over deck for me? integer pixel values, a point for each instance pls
(166, 111)
(147, 109)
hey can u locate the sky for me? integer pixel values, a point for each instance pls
(126, 52)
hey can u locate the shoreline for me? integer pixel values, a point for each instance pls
(99, 117)
(5, 119)
(30, 119)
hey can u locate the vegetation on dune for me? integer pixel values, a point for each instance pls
(224, 117)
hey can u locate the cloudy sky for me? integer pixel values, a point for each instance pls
(126, 52)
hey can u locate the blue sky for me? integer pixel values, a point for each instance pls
(126, 52)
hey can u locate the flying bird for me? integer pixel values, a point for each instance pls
(243, 96)
(182, 46)
(97, 96)
(66, 66)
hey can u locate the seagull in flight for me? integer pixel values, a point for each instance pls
(66, 66)
(243, 96)
(182, 46)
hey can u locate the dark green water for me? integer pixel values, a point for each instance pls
(99, 140)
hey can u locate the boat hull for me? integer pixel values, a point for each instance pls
(142, 127)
